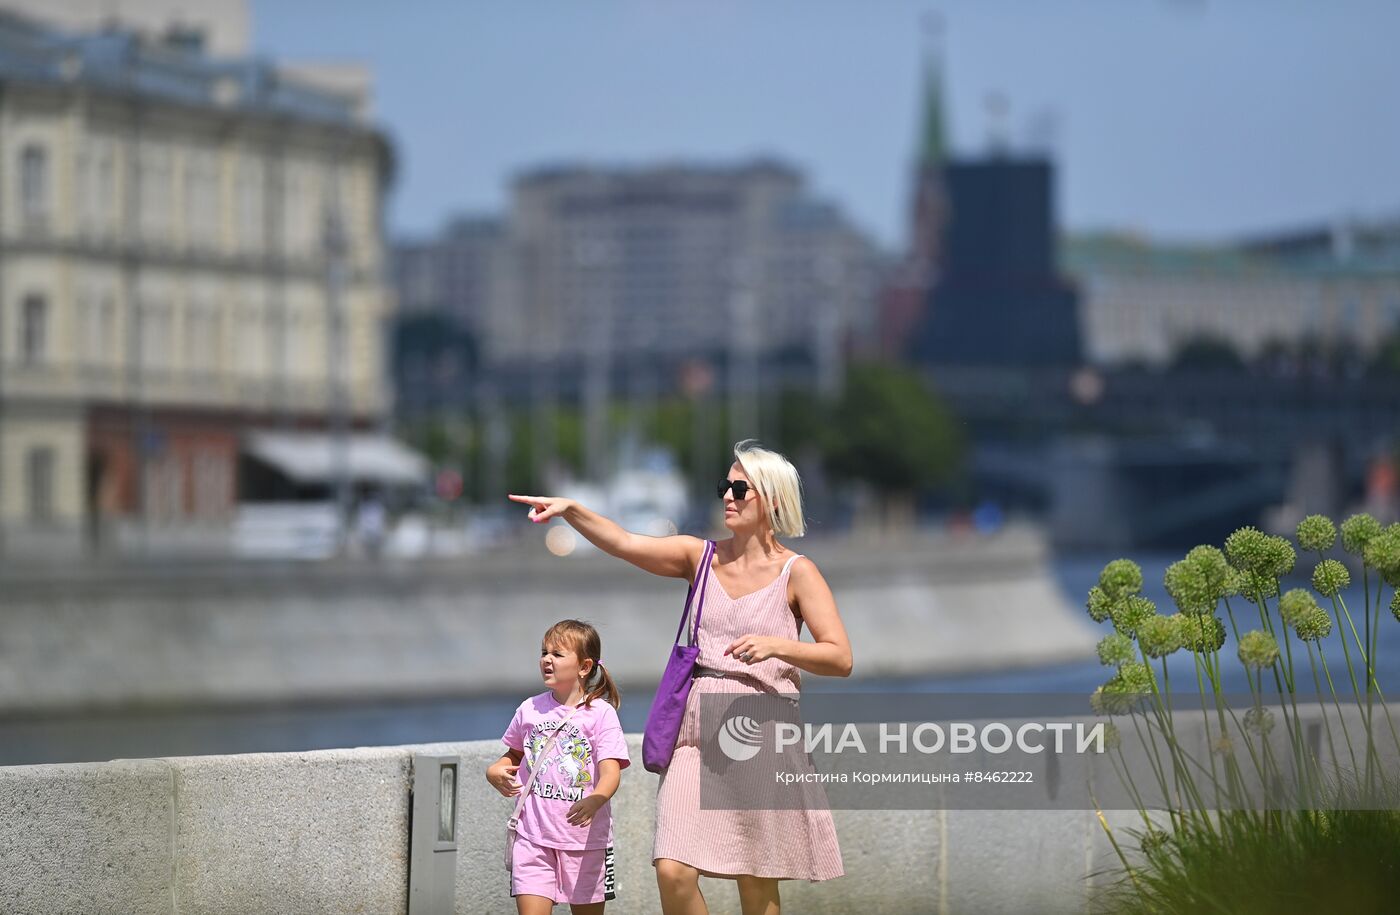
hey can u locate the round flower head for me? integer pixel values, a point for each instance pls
(1115, 648)
(1258, 586)
(1099, 605)
(1159, 636)
(1317, 533)
(1203, 634)
(1330, 577)
(1252, 550)
(1248, 549)
(1382, 552)
(1259, 721)
(1112, 737)
(1281, 556)
(1130, 611)
(1294, 604)
(1118, 696)
(1120, 578)
(1258, 649)
(1357, 531)
(1135, 677)
(1314, 625)
(1189, 587)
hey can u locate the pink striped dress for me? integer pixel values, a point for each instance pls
(783, 844)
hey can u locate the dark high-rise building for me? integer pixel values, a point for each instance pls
(998, 299)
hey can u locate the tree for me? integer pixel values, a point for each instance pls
(891, 431)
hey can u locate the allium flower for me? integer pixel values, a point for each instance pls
(1258, 649)
(1248, 549)
(1395, 605)
(1330, 577)
(1259, 721)
(1121, 577)
(1099, 605)
(1130, 611)
(1382, 552)
(1203, 634)
(1223, 746)
(1314, 625)
(1136, 677)
(1119, 695)
(1294, 604)
(1115, 648)
(1317, 533)
(1357, 531)
(1281, 557)
(1198, 582)
(1112, 737)
(1159, 636)
(1258, 586)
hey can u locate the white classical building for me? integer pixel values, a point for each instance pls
(190, 249)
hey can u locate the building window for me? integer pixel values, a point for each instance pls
(40, 464)
(33, 329)
(34, 184)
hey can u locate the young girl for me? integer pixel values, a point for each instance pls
(569, 736)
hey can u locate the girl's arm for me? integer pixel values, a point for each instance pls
(501, 773)
(829, 654)
(672, 557)
(609, 777)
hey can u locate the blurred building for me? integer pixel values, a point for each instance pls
(456, 275)
(639, 269)
(998, 299)
(190, 250)
(1143, 301)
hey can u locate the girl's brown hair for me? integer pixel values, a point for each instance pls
(585, 642)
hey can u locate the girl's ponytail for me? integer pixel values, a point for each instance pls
(605, 688)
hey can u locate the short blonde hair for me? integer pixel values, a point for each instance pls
(776, 481)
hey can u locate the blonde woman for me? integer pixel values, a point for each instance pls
(748, 642)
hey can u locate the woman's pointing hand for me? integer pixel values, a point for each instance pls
(542, 508)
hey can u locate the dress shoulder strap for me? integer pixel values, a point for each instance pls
(787, 566)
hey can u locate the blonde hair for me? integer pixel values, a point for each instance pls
(777, 482)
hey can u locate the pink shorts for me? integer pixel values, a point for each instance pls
(561, 874)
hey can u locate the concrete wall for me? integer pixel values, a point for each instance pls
(327, 832)
(195, 636)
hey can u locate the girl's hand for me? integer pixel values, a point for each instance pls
(542, 508)
(582, 813)
(503, 779)
(751, 649)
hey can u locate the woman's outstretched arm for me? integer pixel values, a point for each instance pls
(673, 557)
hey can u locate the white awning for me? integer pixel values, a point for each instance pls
(314, 457)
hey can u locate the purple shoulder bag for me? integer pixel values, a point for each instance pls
(668, 708)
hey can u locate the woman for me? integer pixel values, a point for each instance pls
(748, 644)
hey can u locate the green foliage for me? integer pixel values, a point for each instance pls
(1305, 861)
(889, 430)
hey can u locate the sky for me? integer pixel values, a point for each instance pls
(1178, 119)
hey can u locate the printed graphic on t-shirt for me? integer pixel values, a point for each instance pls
(564, 774)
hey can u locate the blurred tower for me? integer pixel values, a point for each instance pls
(904, 300)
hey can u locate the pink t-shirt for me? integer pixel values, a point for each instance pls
(569, 773)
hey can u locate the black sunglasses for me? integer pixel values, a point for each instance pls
(740, 487)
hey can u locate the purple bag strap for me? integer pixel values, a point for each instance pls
(700, 578)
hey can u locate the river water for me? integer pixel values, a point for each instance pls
(89, 737)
